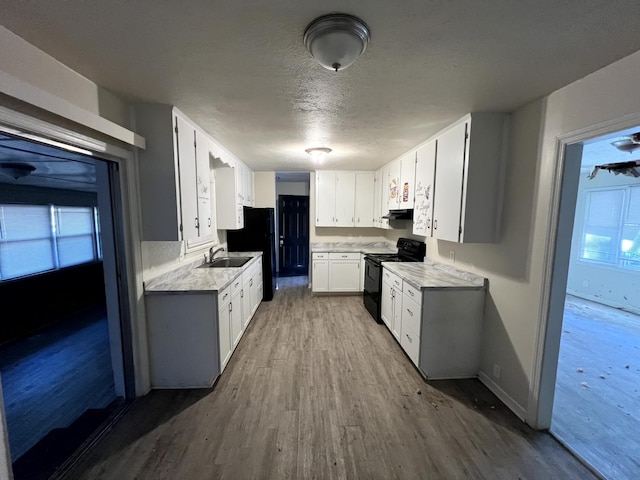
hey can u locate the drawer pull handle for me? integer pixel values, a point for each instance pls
(410, 312)
(409, 337)
(410, 293)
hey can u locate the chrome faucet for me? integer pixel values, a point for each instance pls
(213, 252)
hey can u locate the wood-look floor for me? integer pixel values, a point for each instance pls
(317, 389)
(596, 408)
(53, 376)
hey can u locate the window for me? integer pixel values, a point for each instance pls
(611, 230)
(39, 238)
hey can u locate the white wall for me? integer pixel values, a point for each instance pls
(605, 284)
(264, 189)
(31, 65)
(292, 188)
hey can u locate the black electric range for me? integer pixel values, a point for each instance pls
(408, 251)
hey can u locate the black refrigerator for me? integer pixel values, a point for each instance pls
(258, 235)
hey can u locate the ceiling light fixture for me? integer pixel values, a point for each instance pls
(16, 170)
(336, 40)
(630, 144)
(318, 153)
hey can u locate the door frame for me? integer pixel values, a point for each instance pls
(128, 337)
(568, 156)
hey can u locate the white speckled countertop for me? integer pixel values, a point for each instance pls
(435, 275)
(191, 279)
(362, 247)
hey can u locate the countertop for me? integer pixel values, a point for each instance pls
(361, 247)
(432, 275)
(191, 279)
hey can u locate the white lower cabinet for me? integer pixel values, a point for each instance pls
(192, 335)
(440, 329)
(391, 302)
(336, 272)
(320, 272)
(224, 326)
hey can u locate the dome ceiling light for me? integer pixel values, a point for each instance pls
(336, 40)
(318, 153)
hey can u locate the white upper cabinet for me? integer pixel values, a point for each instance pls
(393, 185)
(169, 175)
(203, 185)
(345, 199)
(468, 181)
(425, 177)
(325, 199)
(407, 181)
(229, 212)
(364, 200)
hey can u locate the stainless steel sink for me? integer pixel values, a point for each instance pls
(224, 262)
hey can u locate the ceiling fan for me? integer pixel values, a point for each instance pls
(628, 144)
(631, 168)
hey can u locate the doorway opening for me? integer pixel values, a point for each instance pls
(292, 193)
(596, 400)
(65, 349)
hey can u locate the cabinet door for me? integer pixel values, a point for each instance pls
(345, 199)
(256, 293)
(320, 275)
(236, 318)
(239, 172)
(386, 305)
(407, 180)
(224, 330)
(185, 136)
(247, 310)
(325, 199)
(397, 313)
(377, 198)
(393, 190)
(203, 184)
(344, 275)
(364, 199)
(449, 183)
(425, 176)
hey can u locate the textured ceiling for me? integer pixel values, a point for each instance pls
(239, 68)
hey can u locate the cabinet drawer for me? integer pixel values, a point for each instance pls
(236, 285)
(411, 313)
(319, 256)
(412, 292)
(391, 279)
(344, 256)
(224, 296)
(410, 342)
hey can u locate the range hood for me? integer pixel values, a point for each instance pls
(399, 215)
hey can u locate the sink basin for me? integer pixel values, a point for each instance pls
(224, 262)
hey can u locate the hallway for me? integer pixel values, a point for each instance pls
(317, 389)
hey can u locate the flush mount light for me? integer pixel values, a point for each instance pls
(16, 170)
(336, 40)
(318, 153)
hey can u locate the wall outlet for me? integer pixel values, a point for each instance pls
(452, 256)
(585, 283)
(497, 370)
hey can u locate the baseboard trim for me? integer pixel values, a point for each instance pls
(514, 406)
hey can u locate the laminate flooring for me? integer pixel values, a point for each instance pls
(596, 409)
(317, 389)
(52, 377)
